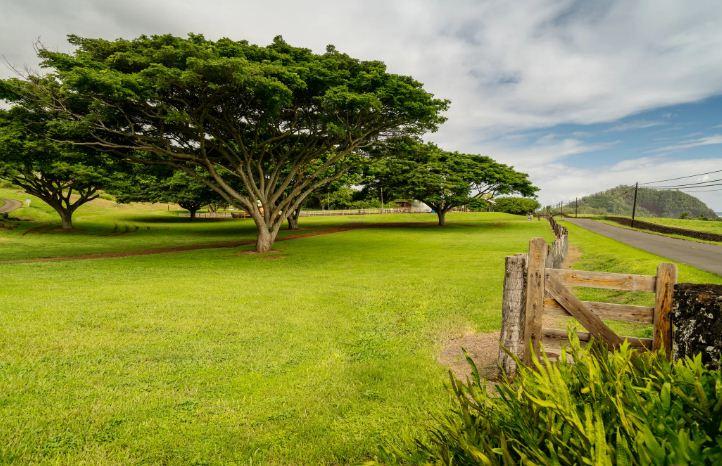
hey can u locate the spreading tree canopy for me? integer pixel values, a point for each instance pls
(62, 175)
(444, 180)
(255, 118)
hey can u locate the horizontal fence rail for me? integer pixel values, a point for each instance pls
(316, 213)
(538, 296)
(603, 280)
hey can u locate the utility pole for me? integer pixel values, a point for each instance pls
(634, 203)
(576, 207)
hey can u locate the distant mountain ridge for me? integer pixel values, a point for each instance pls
(650, 203)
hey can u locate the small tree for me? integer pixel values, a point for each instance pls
(444, 180)
(515, 205)
(63, 176)
(155, 184)
(257, 119)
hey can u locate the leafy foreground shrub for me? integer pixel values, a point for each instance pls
(622, 408)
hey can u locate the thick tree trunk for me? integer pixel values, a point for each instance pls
(442, 217)
(66, 216)
(192, 213)
(66, 219)
(265, 240)
(293, 219)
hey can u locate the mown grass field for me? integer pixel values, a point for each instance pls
(709, 226)
(316, 353)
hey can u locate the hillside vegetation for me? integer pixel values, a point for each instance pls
(650, 203)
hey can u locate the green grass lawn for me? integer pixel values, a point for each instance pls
(601, 253)
(316, 353)
(709, 226)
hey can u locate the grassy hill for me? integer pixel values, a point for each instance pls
(650, 203)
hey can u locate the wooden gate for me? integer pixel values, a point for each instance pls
(548, 295)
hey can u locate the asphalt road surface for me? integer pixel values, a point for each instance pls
(701, 255)
(8, 205)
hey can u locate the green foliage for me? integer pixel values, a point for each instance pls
(444, 180)
(650, 203)
(153, 184)
(623, 408)
(258, 119)
(62, 175)
(515, 205)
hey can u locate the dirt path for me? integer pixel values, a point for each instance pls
(482, 348)
(9, 205)
(701, 255)
(212, 245)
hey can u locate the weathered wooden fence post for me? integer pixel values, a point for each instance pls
(512, 313)
(664, 290)
(534, 295)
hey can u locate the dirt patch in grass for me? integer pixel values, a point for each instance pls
(573, 255)
(273, 254)
(193, 247)
(483, 348)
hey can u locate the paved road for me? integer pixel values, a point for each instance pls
(701, 255)
(8, 205)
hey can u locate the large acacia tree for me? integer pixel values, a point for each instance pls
(255, 118)
(442, 179)
(62, 175)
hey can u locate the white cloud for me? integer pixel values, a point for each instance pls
(689, 144)
(561, 182)
(632, 125)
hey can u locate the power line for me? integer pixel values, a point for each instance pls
(684, 188)
(706, 191)
(682, 177)
(694, 189)
(687, 185)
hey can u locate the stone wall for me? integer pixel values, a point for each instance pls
(697, 321)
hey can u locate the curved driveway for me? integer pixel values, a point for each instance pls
(701, 255)
(9, 205)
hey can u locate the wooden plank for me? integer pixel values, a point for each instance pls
(552, 334)
(534, 293)
(606, 311)
(666, 278)
(512, 313)
(605, 280)
(580, 311)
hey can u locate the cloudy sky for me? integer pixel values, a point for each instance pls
(584, 95)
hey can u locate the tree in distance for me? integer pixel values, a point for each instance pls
(444, 180)
(256, 119)
(160, 184)
(337, 193)
(63, 176)
(515, 205)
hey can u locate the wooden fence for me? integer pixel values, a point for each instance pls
(538, 295)
(317, 213)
